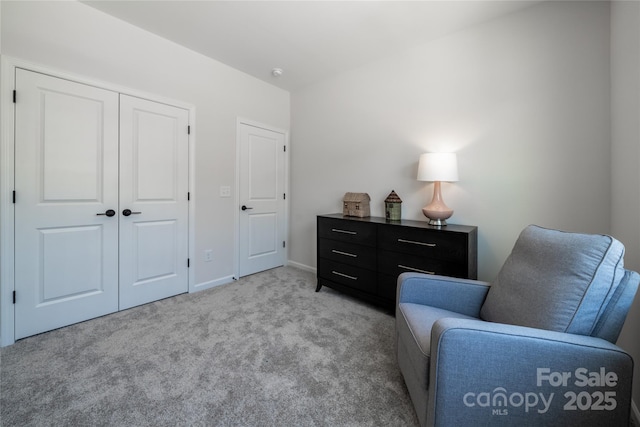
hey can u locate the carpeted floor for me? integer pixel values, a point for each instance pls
(266, 350)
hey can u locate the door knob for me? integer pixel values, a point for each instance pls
(128, 212)
(244, 208)
(109, 212)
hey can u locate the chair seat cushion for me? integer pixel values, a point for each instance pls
(556, 280)
(413, 323)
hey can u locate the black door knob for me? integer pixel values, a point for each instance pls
(244, 208)
(109, 212)
(128, 212)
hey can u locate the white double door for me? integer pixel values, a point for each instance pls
(101, 202)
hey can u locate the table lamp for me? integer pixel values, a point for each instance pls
(437, 167)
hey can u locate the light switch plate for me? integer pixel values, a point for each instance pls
(225, 191)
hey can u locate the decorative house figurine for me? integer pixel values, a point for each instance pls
(393, 207)
(356, 204)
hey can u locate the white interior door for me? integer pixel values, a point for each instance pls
(262, 199)
(154, 161)
(66, 178)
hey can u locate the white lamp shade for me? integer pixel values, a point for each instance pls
(438, 167)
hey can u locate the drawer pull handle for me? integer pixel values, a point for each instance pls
(337, 230)
(413, 242)
(415, 269)
(337, 273)
(344, 253)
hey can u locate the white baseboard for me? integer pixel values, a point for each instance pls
(228, 279)
(302, 266)
(211, 284)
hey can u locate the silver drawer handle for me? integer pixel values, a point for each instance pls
(431, 245)
(415, 269)
(337, 230)
(344, 275)
(344, 253)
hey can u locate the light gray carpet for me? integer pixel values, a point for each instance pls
(263, 351)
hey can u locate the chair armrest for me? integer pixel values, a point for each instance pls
(484, 373)
(463, 296)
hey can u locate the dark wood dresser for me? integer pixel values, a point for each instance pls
(364, 256)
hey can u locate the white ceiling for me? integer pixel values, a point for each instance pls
(309, 40)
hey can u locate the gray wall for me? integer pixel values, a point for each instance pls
(625, 131)
(542, 107)
(78, 39)
(523, 100)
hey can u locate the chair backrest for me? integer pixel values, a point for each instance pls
(566, 282)
(612, 319)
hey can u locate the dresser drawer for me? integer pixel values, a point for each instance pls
(348, 253)
(427, 243)
(348, 275)
(347, 231)
(394, 263)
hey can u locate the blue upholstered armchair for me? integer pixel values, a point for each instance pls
(536, 348)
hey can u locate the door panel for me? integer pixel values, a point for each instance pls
(155, 253)
(263, 232)
(154, 153)
(262, 187)
(64, 114)
(263, 152)
(66, 155)
(71, 262)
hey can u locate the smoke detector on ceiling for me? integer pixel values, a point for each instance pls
(276, 72)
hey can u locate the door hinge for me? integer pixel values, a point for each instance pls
(188, 263)
(284, 245)
(284, 196)
(189, 130)
(14, 96)
(14, 196)
(14, 297)
(285, 148)
(188, 195)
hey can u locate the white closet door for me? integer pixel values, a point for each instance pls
(66, 156)
(154, 153)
